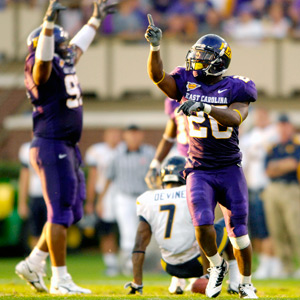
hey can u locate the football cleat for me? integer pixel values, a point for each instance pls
(233, 288)
(216, 276)
(177, 285)
(33, 274)
(65, 286)
(247, 291)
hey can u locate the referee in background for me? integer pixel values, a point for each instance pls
(127, 171)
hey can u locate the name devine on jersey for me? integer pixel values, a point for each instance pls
(169, 195)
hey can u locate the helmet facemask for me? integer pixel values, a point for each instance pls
(209, 56)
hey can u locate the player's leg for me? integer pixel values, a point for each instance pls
(290, 207)
(272, 196)
(235, 210)
(109, 233)
(32, 268)
(127, 223)
(224, 246)
(201, 189)
(61, 281)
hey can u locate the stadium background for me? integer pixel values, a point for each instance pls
(116, 87)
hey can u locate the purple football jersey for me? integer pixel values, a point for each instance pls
(211, 144)
(182, 137)
(57, 104)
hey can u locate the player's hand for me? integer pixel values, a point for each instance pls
(53, 10)
(190, 106)
(134, 288)
(152, 179)
(101, 9)
(153, 34)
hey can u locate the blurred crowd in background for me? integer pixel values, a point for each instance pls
(245, 21)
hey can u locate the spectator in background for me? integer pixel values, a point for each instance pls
(72, 19)
(129, 21)
(276, 24)
(294, 16)
(282, 196)
(31, 204)
(254, 145)
(98, 157)
(212, 23)
(127, 170)
(182, 20)
(245, 29)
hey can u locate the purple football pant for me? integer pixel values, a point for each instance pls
(227, 186)
(58, 166)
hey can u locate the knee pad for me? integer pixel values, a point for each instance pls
(240, 242)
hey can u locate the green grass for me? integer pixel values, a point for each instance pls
(87, 270)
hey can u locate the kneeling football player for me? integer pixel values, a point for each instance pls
(165, 214)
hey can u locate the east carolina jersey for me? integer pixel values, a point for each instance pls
(171, 107)
(167, 213)
(211, 144)
(57, 104)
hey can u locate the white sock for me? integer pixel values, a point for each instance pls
(37, 256)
(215, 260)
(110, 260)
(246, 279)
(59, 272)
(234, 273)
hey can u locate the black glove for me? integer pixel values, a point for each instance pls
(153, 34)
(53, 10)
(134, 288)
(152, 179)
(101, 9)
(189, 106)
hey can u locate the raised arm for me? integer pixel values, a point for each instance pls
(45, 47)
(83, 39)
(155, 65)
(166, 143)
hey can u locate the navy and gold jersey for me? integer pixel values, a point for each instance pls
(291, 149)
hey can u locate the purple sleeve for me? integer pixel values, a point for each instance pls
(179, 74)
(170, 106)
(244, 91)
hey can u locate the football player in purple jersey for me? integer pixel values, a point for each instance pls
(54, 91)
(175, 131)
(215, 106)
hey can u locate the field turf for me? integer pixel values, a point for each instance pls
(87, 270)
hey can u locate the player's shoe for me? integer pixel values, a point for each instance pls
(33, 274)
(216, 276)
(247, 291)
(233, 287)
(65, 286)
(177, 285)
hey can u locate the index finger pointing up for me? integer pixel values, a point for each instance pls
(150, 20)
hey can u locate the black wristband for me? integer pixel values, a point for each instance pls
(138, 251)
